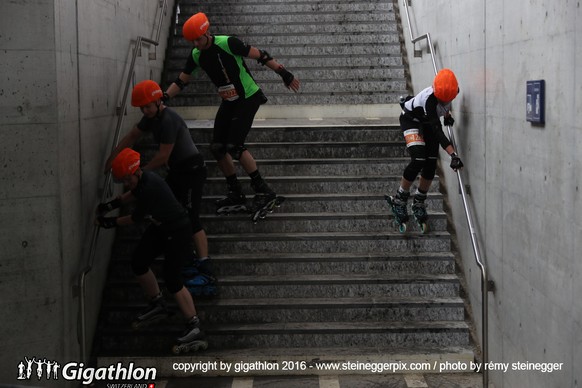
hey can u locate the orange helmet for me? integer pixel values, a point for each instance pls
(125, 163)
(145, 92)
(445, 85)
(195, 27)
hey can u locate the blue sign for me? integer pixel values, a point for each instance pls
(534, 109)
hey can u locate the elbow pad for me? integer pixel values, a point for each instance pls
(181, 84)
(264, 58)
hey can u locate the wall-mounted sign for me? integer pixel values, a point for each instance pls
(535, 101)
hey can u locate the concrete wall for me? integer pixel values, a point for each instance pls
(524, 179)
(63, 66)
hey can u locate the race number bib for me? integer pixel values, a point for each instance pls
(413, 138)
(228, 92)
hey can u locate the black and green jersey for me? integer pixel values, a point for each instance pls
(224, 63)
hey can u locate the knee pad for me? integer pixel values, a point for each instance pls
(218, 150)
(429, 169)
(138, 267)
(235, 150)
(172, 277)
(413, 168)
(173, 284)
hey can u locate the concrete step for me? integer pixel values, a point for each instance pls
(269, 264)
(306, 49)
(255, 29)
(333, 202)
(228, 3)
(213, 11)
(273, 310)
(322, 167)
(311, 360)
(309, 76)
(311, 86)
(202, 131)
(316, 334)
(317, 184)
(333, 263)
(303, 98)
(307, 150)
(321, 242)
(297, 264)
(221, 21)
(261, 41)
(312, 286)
(306, 63)
(281, 222)
(329, 242)
(339, 286)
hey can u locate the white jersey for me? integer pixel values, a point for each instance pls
(419, 101)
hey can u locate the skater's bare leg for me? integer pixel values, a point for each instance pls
(185, 303)
(424, 184)
(226, 165)
(247, 162)
(405, 184)
(149, 284)
(200, 243)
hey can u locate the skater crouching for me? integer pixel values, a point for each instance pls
(423, 132)
(179, 155)
(170, 233)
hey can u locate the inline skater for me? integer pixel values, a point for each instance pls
(222, 58)
(423, 132)
(187, 170)
(169, 233)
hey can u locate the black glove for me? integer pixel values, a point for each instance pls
(107, 222)
(287, 76)
(104, 208)
(449, 121)
(456, 163)
(165, 97)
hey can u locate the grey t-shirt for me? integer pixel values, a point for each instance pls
(169, 128)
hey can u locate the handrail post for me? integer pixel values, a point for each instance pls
(485, 284)
(105, 193)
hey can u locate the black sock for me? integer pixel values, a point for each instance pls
(233, 183)
(255, 176)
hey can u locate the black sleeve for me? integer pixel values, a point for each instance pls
(139, 211)
(435, 122)
(142, 125)
(190, 65)
(238, 47)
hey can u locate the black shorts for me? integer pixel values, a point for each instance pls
(176, 245)
(187, 186)
(420, 138)
(234, 119)
(422, 146)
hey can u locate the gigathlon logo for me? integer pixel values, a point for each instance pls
(41, 368)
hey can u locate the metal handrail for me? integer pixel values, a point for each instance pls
(107, 184)
(486, 285)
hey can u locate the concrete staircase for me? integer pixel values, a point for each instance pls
(343, 51)
(325, 277)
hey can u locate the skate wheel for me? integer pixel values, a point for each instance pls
(402, 228)
(176, 349)
(423, 227)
